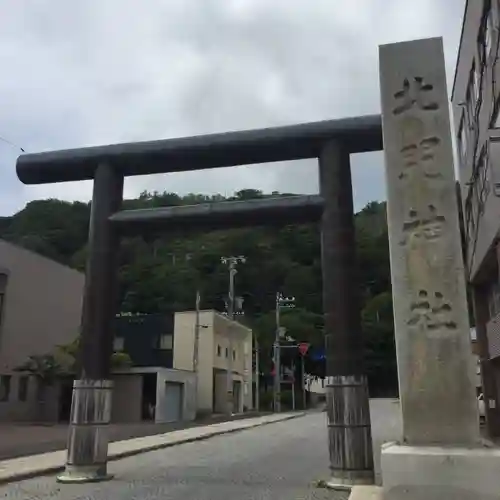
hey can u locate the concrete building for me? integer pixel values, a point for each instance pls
(40, 307)
(152, 389)
(162, 347)
(214, 352)
(476, 111)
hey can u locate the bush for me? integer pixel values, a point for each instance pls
(266, 400)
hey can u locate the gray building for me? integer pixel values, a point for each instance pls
(476, 112)
(40, 307)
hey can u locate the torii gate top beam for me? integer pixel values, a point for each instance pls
(293, 142)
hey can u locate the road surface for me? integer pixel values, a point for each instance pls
(281, 461)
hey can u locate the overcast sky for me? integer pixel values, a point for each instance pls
(88, 72)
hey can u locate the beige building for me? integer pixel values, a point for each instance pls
(40, 308)
(213, 359)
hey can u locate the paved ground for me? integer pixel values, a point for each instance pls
(279, 461)
(26, 439)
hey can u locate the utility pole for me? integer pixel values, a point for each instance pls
(281, 302)
(303, 348)
(257, 375)
(276, 357)
(196, 347)
(231, 263)
(303, 374)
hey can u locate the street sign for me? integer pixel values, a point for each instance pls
(318, 355)
(303, 348)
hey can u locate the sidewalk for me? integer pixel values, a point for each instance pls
(49, 463)
(23, 439)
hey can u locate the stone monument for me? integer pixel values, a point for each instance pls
(440, 454)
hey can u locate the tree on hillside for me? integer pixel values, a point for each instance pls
(161, 272)
(380, 349)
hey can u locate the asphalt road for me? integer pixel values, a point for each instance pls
(281, 461)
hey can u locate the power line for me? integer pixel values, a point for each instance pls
(3, 139)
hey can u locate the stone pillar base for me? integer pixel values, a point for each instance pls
(345, 480)
(88, 432)
(84, 474)
(440, 473)
(366, 493)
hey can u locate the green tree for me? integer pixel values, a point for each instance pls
(161, 272)
(50, 367)
(380, 352)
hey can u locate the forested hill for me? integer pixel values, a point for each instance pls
(162, 274)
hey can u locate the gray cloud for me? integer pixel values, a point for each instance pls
(90, 72)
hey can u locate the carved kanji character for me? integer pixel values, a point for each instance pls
(415, 93)
(431, 311)
(418, 150)
(426, 224)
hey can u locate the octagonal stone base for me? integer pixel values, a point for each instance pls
(440, 473)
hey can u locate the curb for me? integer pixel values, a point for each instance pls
(53, 469)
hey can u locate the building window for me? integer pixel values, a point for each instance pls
(227, 352)
(476, 82)
(486, 180)
(118, 344)
(3, 289)
(166, 342)
(469, 217)
(462, 140)
(488, 32)
(471, 119)
(494, 160)
(218, 350)
(485, 38)
(475, 202)
(483, 182)
(5, 387)
(234, 355)
(494, 299)
(495, 119)
(22, 388)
